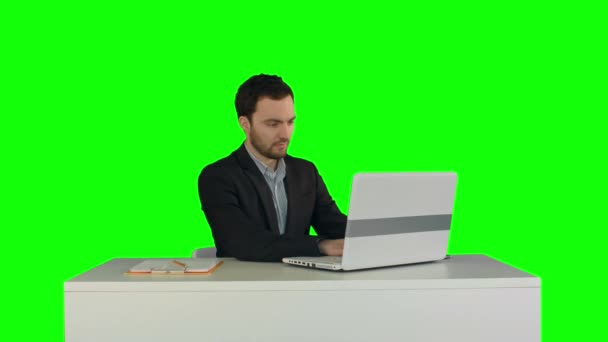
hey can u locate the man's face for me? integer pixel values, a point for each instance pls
(271, 127)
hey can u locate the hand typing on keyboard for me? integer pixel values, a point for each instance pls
(332, 247)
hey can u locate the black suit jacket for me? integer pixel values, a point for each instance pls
(238, 205)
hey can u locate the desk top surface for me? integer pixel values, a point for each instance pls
(458, 271)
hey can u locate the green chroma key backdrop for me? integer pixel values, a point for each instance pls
(110, 111)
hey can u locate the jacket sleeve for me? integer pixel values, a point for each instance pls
(238, 235)
(327, 220)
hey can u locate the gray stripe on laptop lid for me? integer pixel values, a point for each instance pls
(398, 225)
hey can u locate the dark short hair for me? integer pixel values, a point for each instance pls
(256, 87)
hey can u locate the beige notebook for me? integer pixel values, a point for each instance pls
(176, 266)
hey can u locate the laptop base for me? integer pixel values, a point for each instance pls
(325, 262)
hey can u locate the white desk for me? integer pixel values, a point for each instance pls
(465, 298)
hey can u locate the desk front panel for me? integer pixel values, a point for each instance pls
(475, 314)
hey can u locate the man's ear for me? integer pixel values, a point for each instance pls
(245, 124)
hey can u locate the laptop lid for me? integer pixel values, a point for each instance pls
(398, 218)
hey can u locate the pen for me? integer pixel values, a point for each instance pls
(179, 263)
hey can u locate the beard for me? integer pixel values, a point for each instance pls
(269, 150)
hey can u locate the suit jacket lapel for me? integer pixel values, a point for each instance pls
(290, 189)
(252, 171)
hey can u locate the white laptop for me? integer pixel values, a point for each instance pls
(393, 219)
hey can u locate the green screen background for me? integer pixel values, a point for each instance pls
(110, 111)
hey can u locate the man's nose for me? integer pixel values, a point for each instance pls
(284, 131)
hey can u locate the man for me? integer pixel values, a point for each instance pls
(259, 201)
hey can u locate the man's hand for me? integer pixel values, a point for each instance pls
(332, 247)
